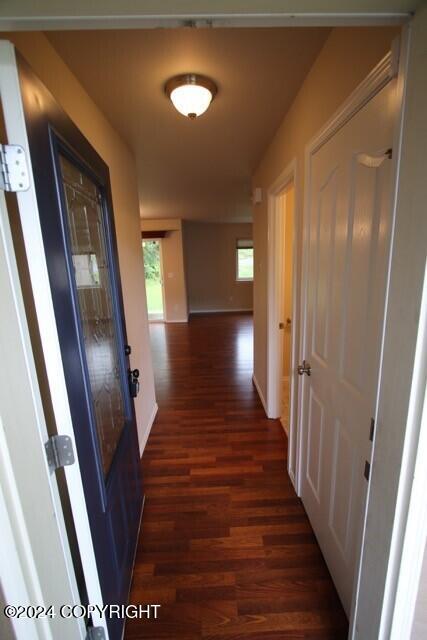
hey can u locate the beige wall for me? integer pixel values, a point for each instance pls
(210, 258)
(344, 61)
(175, 290)
(75, 101)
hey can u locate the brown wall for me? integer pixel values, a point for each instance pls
(175, 290)
(210, 259)
(346, 58)
(79, 106)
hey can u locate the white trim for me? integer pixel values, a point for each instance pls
(148, 429)
(274, 303)
(274, 287)
(162, 281)
(380, 75)
(416, 525)
(200, 311)
(260, 394)
(212, 19)
(34, 247)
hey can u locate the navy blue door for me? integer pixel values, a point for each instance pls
(74, 199)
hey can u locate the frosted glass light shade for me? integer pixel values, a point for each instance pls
(191, 100)
(191, 94)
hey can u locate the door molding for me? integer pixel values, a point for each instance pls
(380, 75)
(162, 276)
(215, 14)
(274, 298)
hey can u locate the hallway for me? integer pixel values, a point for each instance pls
(226, 547)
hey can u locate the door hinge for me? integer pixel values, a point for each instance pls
(367, 470)
(59, 452)
(14, 174)
(372, 430)
(95, 633)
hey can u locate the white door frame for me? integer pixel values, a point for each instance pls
(178, 14)
(162, 276)
(31, 229)
(238, 18)
(274, 305)
(415, 536)
(33, 537)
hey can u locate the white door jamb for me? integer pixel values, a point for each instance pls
(275, 295)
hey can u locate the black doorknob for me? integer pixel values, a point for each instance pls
(133, 382)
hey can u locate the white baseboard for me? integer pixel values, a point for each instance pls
(261, 396)
(196, 311)
(148, 430)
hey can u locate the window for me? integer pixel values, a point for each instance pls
(244, 260)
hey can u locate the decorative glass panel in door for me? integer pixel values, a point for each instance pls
(89, 254)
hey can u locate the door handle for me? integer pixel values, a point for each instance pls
(288, 323)
(133, 382)
(305, 367)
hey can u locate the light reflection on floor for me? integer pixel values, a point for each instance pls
(191, 338)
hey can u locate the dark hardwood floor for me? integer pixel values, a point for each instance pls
(226, 547)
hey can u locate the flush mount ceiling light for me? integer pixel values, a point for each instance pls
(190, 93)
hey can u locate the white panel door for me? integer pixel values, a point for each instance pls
(349, 238)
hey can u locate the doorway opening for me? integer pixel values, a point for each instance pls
(282, 387)
(286, 204)
(152, 252)
(281, 376)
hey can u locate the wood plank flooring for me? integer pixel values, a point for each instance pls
(226, 548)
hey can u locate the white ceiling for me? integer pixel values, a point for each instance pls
(198, 169)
